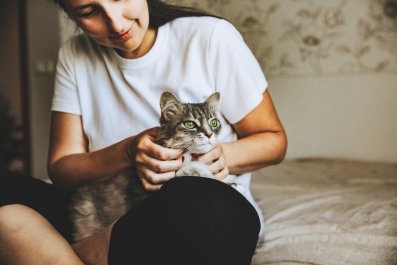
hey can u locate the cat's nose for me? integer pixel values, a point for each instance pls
(209, 134)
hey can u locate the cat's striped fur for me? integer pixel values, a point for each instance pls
(190, 126)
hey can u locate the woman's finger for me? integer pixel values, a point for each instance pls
(212, 155)
(152, 181)
(155, 178)
(217, 165)
(222, 174)
(158, 166)
(144, 143)
(152, 149)
(150, 187)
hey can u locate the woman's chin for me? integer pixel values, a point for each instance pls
(127, 52)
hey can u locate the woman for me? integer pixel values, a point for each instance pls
(105, 113)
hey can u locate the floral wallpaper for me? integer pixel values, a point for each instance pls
(314, 37)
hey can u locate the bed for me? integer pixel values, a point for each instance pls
(328, 212)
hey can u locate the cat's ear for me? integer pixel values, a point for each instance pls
(169, 105)
(213, 101)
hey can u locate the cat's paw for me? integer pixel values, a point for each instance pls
(195, 169)
(187, 172)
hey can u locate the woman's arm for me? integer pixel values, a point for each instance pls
(70, 164)
(262, 140)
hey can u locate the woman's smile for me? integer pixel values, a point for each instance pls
(125, 36)
(121, 25)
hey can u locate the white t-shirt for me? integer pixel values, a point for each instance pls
(192, 57)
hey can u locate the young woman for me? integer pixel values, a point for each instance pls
(105, 117)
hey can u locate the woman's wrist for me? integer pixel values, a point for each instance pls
(128, 151)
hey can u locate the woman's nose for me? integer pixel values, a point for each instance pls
(114, 18)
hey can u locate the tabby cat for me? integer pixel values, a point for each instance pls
(190, 126)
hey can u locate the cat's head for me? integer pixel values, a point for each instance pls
(192, 126)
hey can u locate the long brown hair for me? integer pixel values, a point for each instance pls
(160, 13)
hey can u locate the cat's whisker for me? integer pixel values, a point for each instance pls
(190, 148)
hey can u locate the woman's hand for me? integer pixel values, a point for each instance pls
(155, 164)
(215, 159)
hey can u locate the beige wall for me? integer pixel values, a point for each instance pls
(349, 117)
(332, 71)
(43, 42)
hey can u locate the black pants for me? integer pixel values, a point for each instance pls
(190, 221)
(38, 195)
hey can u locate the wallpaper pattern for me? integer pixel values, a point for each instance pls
(314, 37)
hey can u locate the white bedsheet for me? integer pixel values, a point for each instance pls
(328, 212)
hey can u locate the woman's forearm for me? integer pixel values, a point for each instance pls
(255, 151)
(80, 168)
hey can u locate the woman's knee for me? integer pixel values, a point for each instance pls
(200, 219)
(209, 198)
(211, 218)
(15, 217)
(19, 227)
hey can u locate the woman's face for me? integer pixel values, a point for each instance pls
(119, 24)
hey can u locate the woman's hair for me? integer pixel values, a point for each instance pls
(160, 13)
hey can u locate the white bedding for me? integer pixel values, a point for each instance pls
(328, 212)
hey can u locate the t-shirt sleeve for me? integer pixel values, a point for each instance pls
(237, 74)
(66, 98)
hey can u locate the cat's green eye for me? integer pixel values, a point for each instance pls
(214, 122)
(189, 124)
